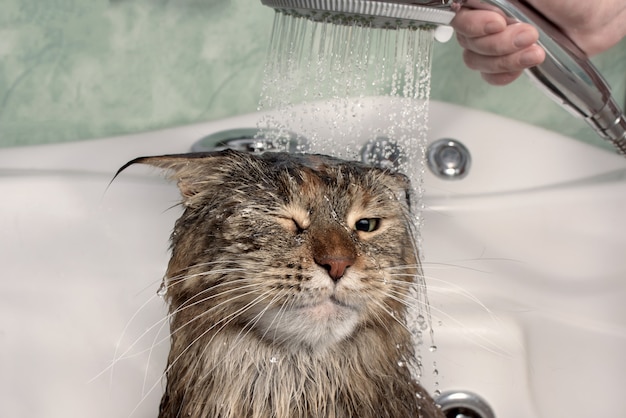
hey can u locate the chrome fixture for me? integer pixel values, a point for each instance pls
(448, 159)
(566, 75)
(380, 152)
(250, 140)
(376, 13)
(463, 404)
(384, 153)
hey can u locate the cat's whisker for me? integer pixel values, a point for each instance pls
(165, 320)
(480, 340)
(151, 350)
(234, 285)
(248, 327)
(233, 316)
(201, 266)
(453, 288)
(450, 287)
(281, 311)
(391, 314)
(182, 278)
(405, 299)
(456, 263)
(228, 319)
(223, 321)
(213, 308)
(161, 323)
(433, 265)
(415, 266)
(119, 342)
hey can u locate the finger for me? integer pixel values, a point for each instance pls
(476, 23)
(501, 79)
(514, 38)
(517, 61)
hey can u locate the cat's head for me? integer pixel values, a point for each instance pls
(300, 250)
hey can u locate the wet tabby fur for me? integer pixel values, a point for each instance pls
(287, 288)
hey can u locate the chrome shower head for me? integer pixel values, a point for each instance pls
(372, 13)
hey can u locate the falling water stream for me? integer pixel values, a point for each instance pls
(357, 88)
(348, 66)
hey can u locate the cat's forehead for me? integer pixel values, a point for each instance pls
(330, 172)
(313, 177)
(319, 167)
(314, 162)
(313, 174)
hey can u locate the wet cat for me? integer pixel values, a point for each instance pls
(287, 289)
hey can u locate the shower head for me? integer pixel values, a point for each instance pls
(372, 13)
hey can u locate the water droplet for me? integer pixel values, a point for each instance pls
(162, 292)
(435, 372)
(421, 321)
(432, 348)
(401, 363)
(273, 360)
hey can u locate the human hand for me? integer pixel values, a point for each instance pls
(501, 52)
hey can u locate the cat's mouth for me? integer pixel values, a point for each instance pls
(317, 322)
(336, 301)
(330, 301)
(330, 309)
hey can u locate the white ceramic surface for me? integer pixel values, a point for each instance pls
(525, 260)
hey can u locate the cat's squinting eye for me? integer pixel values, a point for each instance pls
(292, 224)
(367, 225)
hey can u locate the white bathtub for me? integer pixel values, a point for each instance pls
(525, 259)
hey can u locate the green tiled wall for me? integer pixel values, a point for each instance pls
(80, 69)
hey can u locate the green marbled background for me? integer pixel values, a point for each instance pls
(81, 69)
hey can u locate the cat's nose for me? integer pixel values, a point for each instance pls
(335, 265)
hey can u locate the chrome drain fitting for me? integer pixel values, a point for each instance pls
(463, 404)
(448, 159)
(384, 153)
(250, 140)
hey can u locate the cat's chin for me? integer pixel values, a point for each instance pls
(316, 326)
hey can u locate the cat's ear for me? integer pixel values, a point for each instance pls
(192, 172)
(401, 186)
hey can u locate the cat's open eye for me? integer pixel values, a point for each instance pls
(367, 225)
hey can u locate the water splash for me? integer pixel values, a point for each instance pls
(352, 84)
(342, 87)
(162, 292)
